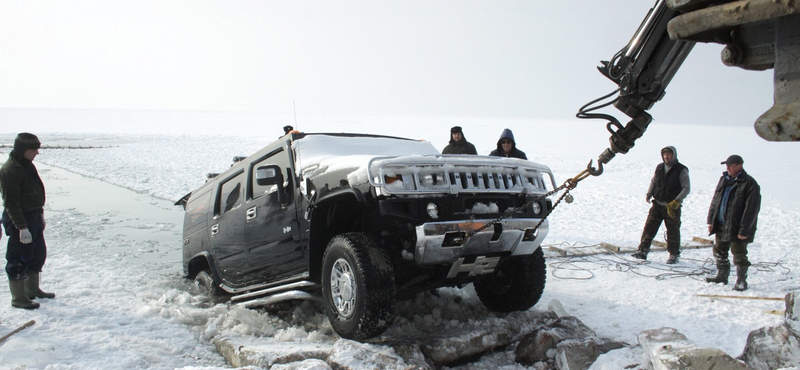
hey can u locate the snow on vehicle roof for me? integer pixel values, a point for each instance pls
(319, 153)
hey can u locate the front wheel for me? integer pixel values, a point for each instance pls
(357, 286)
(516, 285)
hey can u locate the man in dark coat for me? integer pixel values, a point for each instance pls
(507, 147)
(668, 188)
(458, 143)
(23, 220)
(733, 216)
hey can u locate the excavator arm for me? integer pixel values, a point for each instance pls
(642, 70)
(758, 34)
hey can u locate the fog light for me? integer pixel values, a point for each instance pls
(536, 208)
(433, 210)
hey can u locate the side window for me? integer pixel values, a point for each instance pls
(230, 194)
(197, 209)
(279, 158)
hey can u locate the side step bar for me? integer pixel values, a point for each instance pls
(299, 286)
(280, 297)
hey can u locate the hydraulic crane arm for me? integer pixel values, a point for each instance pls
(642, 69)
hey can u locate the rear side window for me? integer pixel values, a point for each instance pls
(230, 194)
(197, 210)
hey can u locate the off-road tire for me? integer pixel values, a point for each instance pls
(205, 281)
(516, 285)
(357, 265)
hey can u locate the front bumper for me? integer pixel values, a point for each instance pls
(444, 242)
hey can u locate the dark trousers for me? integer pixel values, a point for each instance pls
(655, 217)
(22, 259)
(738, 249)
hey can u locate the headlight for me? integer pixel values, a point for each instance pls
(433, 210)
(536, 208)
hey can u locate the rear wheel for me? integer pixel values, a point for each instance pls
(516, 285)
(357, 286)
(205, 281)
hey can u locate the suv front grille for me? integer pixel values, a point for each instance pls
(395, 177)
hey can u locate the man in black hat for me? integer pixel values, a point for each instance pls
(458, 143)
(733, 216)
(23, 220)
(668, 188)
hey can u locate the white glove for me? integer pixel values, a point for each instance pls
(25, 236)
(647, 198)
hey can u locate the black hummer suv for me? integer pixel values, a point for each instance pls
(357, 220)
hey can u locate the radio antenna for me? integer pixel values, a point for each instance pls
(295, 113)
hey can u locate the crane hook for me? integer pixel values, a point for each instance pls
(595, 171)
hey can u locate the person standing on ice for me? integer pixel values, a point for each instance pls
(668, 188)
(733, 216)
(458, 143)
(23, 220)
(507, 147)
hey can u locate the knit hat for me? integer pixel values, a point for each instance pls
(25, 141)
(456, 129)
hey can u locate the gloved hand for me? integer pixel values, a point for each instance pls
(25, 236)
(673, 206)
(44, 223)
(647, 198)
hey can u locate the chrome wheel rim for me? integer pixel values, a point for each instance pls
(343, 288)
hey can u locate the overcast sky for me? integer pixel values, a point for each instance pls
(520, 58)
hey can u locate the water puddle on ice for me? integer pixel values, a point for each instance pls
(136, 226)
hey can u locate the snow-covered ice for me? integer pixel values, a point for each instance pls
(114, 252)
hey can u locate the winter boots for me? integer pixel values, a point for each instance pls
(18, 297)
(673, 259)
(32, 288)
(641, 254)
(741, 278)
(723, 270)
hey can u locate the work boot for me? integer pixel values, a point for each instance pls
(673, 259)
(641, 254)
(18, 297)
(741, 278)
(723, 270)
(32, 288)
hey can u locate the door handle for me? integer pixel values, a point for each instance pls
(215, 229)
(251, 213)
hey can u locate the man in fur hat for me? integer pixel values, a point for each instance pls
(458, 143)
(23, 220)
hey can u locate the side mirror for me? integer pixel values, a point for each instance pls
(269, 175)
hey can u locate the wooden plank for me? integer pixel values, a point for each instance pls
(702, 240)
(610, 247)
(739, 297)
(560, 251)
(659, 245)
(17, 330)
(695, 246)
